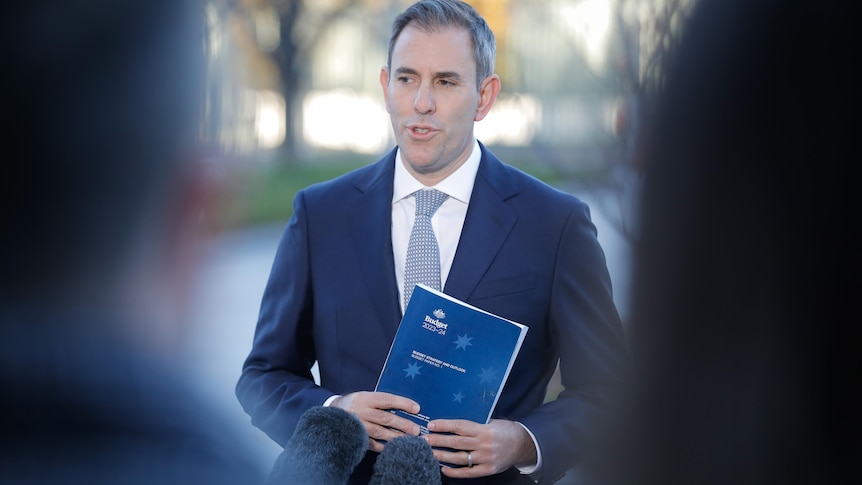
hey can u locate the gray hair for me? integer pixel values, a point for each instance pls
(434, 15)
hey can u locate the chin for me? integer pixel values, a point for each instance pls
(421, 160)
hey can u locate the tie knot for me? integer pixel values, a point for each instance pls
(428, 201)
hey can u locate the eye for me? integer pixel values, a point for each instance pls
(446, 83)
(404, 79)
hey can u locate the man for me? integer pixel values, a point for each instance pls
(508, 244)
(99, 210)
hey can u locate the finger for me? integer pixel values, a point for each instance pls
(458, 458)
(355, 401)
(455, 426)
(375, 445)
(374, 408)
(464, 468)
(393, 421)
(452, 443)
(384, 434)
(386, 400)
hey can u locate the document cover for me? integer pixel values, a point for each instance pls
(450, 357)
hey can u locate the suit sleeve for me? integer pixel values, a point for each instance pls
(586, 327)
(276, 385)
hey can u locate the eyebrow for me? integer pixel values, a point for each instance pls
(437, 75)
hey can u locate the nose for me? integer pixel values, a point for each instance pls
(423, 103)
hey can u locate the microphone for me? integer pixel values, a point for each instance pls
(406, 459)
(326, 446)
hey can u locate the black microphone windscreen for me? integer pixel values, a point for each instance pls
(326, 446)
(406, 460)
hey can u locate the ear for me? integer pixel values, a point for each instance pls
(384, 83)
(488, 91)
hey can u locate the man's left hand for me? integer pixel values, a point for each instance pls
(482, 449)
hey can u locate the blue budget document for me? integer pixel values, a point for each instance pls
(450, 357)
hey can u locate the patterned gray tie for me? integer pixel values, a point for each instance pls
(423, 254)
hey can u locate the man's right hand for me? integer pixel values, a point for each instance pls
(372, 408)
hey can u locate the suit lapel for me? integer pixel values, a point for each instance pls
(370, 220)
(488, 223)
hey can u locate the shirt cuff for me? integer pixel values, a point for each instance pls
(329, 400)
(535, 469)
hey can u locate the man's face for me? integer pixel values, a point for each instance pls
(432, 98)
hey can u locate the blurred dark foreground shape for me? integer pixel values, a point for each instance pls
(325, 447)
(100, 206)
(748, 260)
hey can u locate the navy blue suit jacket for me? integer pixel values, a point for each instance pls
(527, 252)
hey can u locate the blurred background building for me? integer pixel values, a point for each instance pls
(295, 79)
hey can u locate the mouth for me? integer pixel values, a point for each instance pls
(421, 132)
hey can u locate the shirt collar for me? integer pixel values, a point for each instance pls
(458, 185)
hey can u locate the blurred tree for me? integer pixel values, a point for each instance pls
(647, 35)
(272, 41)
(649, 32)
(292, 56)
(278, 38)
(289, 58)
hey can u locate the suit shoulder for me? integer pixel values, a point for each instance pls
(535, 188)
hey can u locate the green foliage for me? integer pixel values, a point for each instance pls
(264, 194)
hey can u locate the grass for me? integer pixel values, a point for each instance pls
(264, 193)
